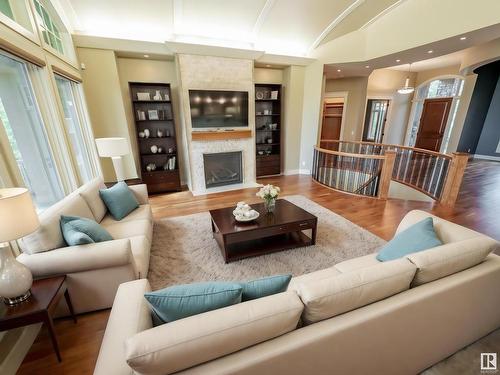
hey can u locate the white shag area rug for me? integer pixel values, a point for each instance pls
(183, 250)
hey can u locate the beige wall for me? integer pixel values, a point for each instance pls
(354, 108)
(146, 70)
(101, 85)
(267, 75)
(311, 113)
(384, 84)
(293, 93)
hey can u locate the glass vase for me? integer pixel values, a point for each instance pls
(270, 204)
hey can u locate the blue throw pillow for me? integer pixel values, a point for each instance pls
(81, 231)
(418, 237)
(265, 287)
(181, 301)
(119, 200)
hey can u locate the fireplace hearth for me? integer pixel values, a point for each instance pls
(223, 168)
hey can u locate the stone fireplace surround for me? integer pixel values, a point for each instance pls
(216, 73)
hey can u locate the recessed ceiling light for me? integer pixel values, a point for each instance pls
(430, 51)
(463, 38)
(268, 66)
(146, 56)
(398, 60)
(367, 66)
(338, 70)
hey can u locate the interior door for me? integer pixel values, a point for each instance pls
(332, 121)
(433, 123)
(375, 119)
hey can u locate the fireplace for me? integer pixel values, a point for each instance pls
(223, 168)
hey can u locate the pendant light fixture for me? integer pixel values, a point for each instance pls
(407, 89)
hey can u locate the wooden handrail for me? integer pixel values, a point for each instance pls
(437, 175)
(341, 153)
(389, 145)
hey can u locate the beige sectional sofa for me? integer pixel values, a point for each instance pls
(94, 271)
(360, 316)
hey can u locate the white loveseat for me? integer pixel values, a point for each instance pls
(360, 316)
(94, 271)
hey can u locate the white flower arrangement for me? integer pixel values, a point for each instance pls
(268, 192)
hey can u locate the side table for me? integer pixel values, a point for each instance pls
(45, 296)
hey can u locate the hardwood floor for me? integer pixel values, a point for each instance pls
(477, 208)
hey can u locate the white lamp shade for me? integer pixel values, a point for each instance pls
(18, 216)
(110, 147)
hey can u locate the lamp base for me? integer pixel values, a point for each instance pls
(16, 300)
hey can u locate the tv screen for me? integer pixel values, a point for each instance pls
(218, 109)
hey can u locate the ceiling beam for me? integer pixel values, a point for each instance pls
(335, 22)
(383, 13)
(266, 9)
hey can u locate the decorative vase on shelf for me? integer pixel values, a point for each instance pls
(158, 95)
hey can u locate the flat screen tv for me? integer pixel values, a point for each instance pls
(218, 109)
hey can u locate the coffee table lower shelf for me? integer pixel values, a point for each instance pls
(265, 245)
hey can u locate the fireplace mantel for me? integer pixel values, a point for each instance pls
(220, 135)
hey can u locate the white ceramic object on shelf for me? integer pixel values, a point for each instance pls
(158, 95)
(147, 133)
(141, 134)
(159, 133)
(154, 149)
(143, 96)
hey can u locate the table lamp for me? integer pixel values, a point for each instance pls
(113, 148)
(18, 218)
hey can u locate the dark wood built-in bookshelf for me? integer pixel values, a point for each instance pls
(268, 129)
(154, 124)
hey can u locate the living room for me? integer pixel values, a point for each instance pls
(235, 187)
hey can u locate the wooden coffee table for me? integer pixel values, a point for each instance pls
(270, 232)
(38, 308)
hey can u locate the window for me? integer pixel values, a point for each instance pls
(54, 33)
(6, 9)
(17, 11)
(50, 31)
(26, 135)
(375, 118)
(74, 126)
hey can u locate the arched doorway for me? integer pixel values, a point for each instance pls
(433, 113)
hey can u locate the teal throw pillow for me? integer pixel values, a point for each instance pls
(80, 231)
(265, 287)
(418, 237)
(119, 200)
(180, 301)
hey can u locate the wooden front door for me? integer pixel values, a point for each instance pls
(433, 123)
(332, 121)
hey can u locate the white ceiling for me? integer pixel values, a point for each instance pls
(281, 27)
(450, 59)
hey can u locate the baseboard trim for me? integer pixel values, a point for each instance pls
(487, 157)
(296, 171)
